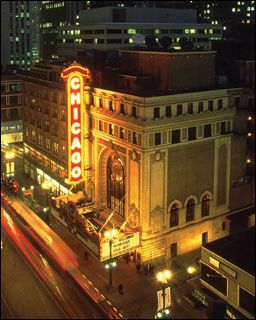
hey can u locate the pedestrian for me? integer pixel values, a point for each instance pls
(121, 289)
(138, 267)
(145, 270)
(85, 255)
(132, 257)
(127, 258)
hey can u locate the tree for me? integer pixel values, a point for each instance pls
(150, 42)
(165, 42)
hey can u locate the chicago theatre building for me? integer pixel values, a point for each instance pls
(163, 147)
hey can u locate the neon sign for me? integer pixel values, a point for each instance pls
(74, 76)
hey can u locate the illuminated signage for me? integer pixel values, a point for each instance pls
(74, 76)
(120, 246)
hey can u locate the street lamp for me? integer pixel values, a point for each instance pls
(110, 235)
(191, 270)
(163, 277)
(46, 186)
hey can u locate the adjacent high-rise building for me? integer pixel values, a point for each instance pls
(19, 33)
(55, 14)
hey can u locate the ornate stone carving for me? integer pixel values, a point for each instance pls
(134, 216)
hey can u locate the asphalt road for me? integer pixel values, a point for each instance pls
(23, 295)
(63, 290)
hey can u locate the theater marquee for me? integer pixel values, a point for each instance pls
(76, 77)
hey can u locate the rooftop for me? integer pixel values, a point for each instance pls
(238, 248)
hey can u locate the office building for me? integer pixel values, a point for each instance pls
(55, 14)
(19, 33)
(112, 28)
(11, 109)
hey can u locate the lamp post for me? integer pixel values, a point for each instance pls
(163, 277)
(46, 186)
(110, 235)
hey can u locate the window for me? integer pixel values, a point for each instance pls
(191, 133)
(205, 206)
(168, 111)
(156, 112)
(210, 105)
(122, 111)
(157, 138)
(223, 127)
(190, 210)
(249, 104)
(134, 138)
(134, 112)
(190, 108)
(55, 148)
(110, 128)
(111, 106)
(100, 125)
(220, 104)
(121, 134)
(200, 106)
(247, 301)
(214, 279)
(13, 99)
(100, 103)
(223, 226)
(175, 136)
(174, 215)
(237, 102)
(179, 109)
(207, 130)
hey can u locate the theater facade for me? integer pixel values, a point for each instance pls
(165, 164)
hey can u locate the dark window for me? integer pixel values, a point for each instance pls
(179, 109)
(173, 249)
(191, 133)
(190, 210)
(111, 106)
(90, 123)
(205, 206)
(247, 301)
(156, 112)
(100, 102)
(223, 127)
(134, 138)
(200, 106)
(100, 126)
(13, 99)
(249, 104)
(157, 138)
(223, 226)
(237, 102)
(122, 108)
(174, 215)
(134, 112)
(207, 130)
(175, 136)
(168, 111)
(121, 133)
(204, 237)
(210, 105)
(220, 104)
(110, 128)
(190, 108)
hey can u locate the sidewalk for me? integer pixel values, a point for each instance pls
(139, 300)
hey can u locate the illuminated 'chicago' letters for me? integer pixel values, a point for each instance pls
(74, 76)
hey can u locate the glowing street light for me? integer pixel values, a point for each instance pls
(110, 235)
(163, 277)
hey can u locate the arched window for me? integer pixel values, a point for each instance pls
(190, 210)
(174, 215)
(115, 185)
(205, 206)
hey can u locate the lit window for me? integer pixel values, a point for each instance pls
(186, 30)
(224, 28)
(233, 9)
(192, 30)
(248, 21)
(131, 31)
(248, 14)
(157, 31)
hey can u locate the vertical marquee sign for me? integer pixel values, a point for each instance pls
(75, 76)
